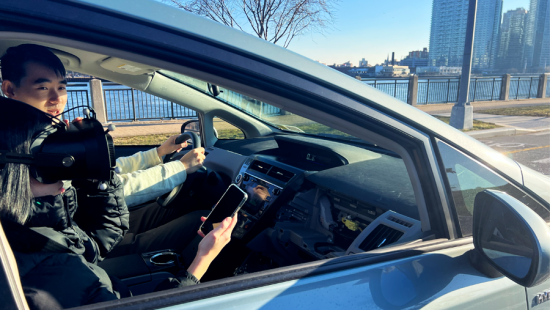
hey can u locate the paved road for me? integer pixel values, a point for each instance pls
(531, 150)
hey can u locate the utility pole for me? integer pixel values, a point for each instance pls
(462, 115)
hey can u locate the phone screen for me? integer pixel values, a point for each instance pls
(229, 204)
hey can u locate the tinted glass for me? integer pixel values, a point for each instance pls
(467, 178)
(269, 114)
(227, 131)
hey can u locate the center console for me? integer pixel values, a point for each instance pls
(264, 181)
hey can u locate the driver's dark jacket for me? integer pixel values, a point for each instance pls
(68, 275)
(56, 279)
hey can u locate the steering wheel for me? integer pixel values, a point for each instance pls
(167, 198)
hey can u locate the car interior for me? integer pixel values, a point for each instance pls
(315, 191)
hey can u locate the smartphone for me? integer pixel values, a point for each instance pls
(230, 203)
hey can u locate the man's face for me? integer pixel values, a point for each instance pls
(41, 87)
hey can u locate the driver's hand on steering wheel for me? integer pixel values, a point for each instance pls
(193, 160)
(169, 146)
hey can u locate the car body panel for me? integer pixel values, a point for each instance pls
(536, 182)
(440, 280)
(537, 296)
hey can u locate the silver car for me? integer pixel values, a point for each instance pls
(366, 202)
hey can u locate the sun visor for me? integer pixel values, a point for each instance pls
(126, 67)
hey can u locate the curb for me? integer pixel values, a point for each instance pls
(500, 132)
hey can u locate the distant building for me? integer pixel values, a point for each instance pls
(448, 33)
(486, 37)
(372, 71)
(361, 71)
(536, 50)
(363, 63)
(433, 70)
(391, 71)
(346, 64)
(416, 59)
(510, 52)
(419, 54)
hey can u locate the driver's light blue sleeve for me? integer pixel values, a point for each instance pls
(138, 161)
(145, 185)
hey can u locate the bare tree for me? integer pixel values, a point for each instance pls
(277, 21)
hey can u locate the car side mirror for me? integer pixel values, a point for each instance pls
(192, 125)
(512, 238)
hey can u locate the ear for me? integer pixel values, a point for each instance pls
(8, 88)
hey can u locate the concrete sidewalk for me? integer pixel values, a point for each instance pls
(512, 125)
(437, 109)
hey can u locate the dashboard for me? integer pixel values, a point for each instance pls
(312, 198)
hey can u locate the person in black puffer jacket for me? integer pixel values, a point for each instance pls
(58, 232)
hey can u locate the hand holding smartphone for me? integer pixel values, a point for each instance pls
(230, 203)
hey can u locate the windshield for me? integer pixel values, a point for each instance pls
(274, 116)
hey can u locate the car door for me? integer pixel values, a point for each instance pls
(433, 273)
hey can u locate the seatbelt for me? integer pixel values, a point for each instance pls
(26, 240)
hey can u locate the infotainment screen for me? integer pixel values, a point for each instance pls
(259, 194)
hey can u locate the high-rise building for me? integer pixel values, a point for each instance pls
(363, 63)
(512, 29)
(486, 34)
(448, 32)
(536, 50)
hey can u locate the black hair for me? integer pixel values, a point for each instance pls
(15, 59)
(16, 135)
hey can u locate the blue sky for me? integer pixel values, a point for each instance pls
(371, 29)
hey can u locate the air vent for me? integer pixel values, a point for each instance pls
(381, 236)
(400, 222)
(260, 166)
(280, 174)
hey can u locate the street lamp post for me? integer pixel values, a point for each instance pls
(462, 115)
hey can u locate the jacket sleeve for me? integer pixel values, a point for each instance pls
(102, 214)
(182, 279)
(145, 185)
(138, 161)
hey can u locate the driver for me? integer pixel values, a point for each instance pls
(34, 75)
(59, 234)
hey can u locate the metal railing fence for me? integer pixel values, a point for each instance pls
(248, 104)
(397, 87)
(76, 97)
(437, 90)
(523, 87)
(484, 89)
(445, 89)
(128, 104)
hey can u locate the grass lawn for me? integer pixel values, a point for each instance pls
(143, 140)
(159, 139)
(311, 128)
(478, 125)
(540, 111)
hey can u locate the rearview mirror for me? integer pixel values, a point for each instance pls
(512, 238)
